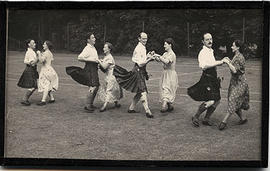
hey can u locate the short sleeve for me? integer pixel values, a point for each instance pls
(239, 64)
(171, 57)
(109, 60)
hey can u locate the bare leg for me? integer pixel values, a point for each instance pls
(223, 124)
(44, 98)
(103, 108)
(45, 94)
(243, 119)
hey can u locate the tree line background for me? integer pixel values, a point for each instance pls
(67, 29)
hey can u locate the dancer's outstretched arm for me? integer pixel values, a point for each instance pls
(230, 65)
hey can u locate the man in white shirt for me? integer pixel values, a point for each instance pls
(30, 75)
(207, 89)
(140, 58)
(134, 81)
(90, 57)
(87, 76)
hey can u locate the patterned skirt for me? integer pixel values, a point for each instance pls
(110, 91)
(29, 77)
(87, 76)
(48, 79)
(206, 89)
(133, 81)
(238, 95)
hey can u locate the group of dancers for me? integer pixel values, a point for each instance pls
(118, 78)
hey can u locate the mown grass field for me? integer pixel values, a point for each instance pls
(64, 130)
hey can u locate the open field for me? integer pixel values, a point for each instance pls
(64, 130)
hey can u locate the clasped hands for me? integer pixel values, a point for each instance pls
(226, 60)
(153, 56)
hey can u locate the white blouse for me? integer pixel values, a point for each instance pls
(206, 57)
(30, 56)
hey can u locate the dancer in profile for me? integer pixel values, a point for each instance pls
(238, 92)
(48, 78)
(134, 81)
(111, 92)
(208, 88)
(169, 78)
(87, 76)
(29, 76)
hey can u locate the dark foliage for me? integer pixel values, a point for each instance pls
(67, 29)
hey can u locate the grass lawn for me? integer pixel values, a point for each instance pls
(64, 130)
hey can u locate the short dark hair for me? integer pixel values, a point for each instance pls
(110, 46)
(169, 41)
(89, 34)
(239, 44)
(204, 35)
(49, 44)
(27, 42)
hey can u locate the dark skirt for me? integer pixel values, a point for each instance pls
(208, 87)
(133, 81)
(29, 77)
(87, 76)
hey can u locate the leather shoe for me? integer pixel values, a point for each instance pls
(102, 109)
(117, 105)
(195, 121)
(51, 101)
(170, 108)
(163, 110)
(148, 115)
(222, 126)
(242, 122)
(206, 122)
(93, 107)
(88, 110)
(132, 111)
(25, 103)
(41, 103)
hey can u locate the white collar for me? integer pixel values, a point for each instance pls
(88, 44)
(30, 49)
(140, 44)
(206, 48)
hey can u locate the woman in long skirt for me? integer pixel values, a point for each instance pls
(111, 92)
(29, 77)
(169, 78)
(238, 93)
(48, 78)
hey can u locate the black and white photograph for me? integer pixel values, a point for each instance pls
(143, 84)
